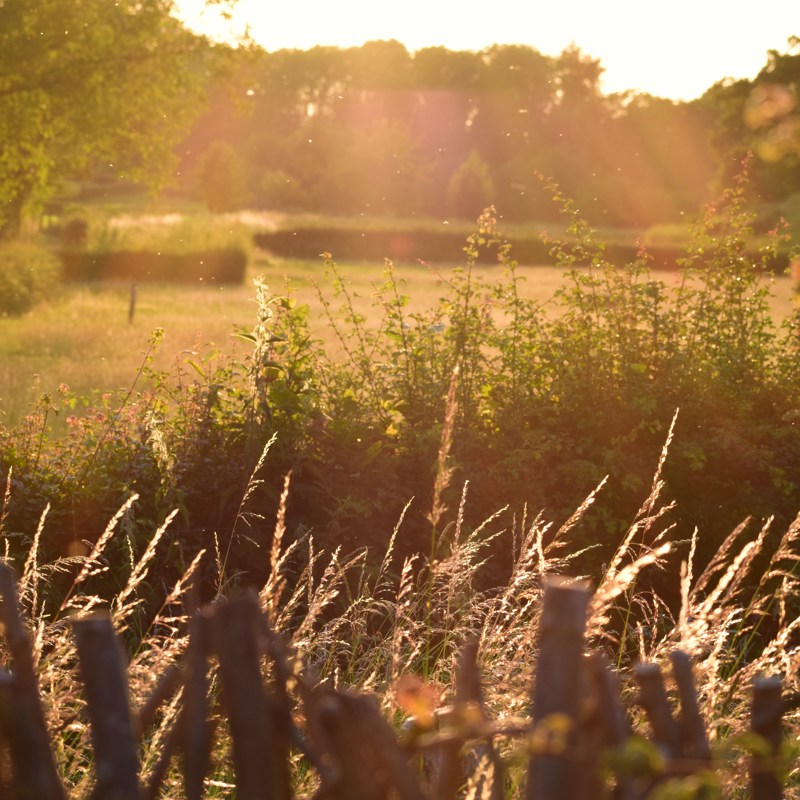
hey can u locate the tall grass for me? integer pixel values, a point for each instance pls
(371, 626)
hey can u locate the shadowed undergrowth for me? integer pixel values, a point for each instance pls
(373, 625)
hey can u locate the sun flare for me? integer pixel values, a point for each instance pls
(675, 50)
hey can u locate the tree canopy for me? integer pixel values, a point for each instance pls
(92, 84)
(111, 89)
(377, 129)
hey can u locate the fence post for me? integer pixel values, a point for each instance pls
(196, 725)
(695, 741)
(132, 303)
(449, 774)
(369, 760)
(765, 720)
(33, 759)
(470, 691)
(259, 775)
(611, 715)
(103, 674)
(557, 689)
(654, 701)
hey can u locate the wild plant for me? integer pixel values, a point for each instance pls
(369, 627)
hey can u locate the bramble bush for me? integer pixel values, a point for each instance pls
(546, 401)
(552, 399)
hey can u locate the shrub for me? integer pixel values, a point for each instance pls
(29, 273)
(471, 188)
(278, 189)
(205, 248)
(221, 178)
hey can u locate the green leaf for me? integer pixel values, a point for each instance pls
(197, 368)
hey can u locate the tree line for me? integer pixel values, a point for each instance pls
(379, 130)
(123, 91)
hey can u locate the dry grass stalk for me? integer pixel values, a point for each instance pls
(120, 607)
(90, 565)
(272, 592)
(6, 508)
(444, 472)
(29, 580)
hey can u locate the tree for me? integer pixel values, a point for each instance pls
(92, 83)
(471, 188)
(221, 178)
(759, 116)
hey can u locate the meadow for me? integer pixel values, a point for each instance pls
(83, 338)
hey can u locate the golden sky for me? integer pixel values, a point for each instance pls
(670, 48)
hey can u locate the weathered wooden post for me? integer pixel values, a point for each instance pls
(557, 690)
(765, 720)
(33, 762)
(653, 699)
(259, 775)
(103, 672)
(469, 695)
(132, 303)
(613, 719)
(370, 762)
(197, 732)
(693, 728)
(450, 768)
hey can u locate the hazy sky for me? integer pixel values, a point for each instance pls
(671, 48)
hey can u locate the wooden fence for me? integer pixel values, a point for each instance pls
(577, 719)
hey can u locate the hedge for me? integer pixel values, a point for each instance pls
(438, 246)
(219, 266)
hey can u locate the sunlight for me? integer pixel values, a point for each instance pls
(675, 51)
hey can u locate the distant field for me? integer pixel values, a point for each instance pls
(84, 339)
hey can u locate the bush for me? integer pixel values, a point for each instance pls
(547, 402)
(471, 188)
(203, 248)
(29, 273)
(221, 178)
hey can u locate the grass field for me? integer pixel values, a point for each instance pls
(84, 340)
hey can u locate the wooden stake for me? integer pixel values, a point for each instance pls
(259, 774)
(132, 304)
(29, 741)
(765, 720)
(102, 669)
(556, 689)
(196, 725)
(654, 701)
(695, 741)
